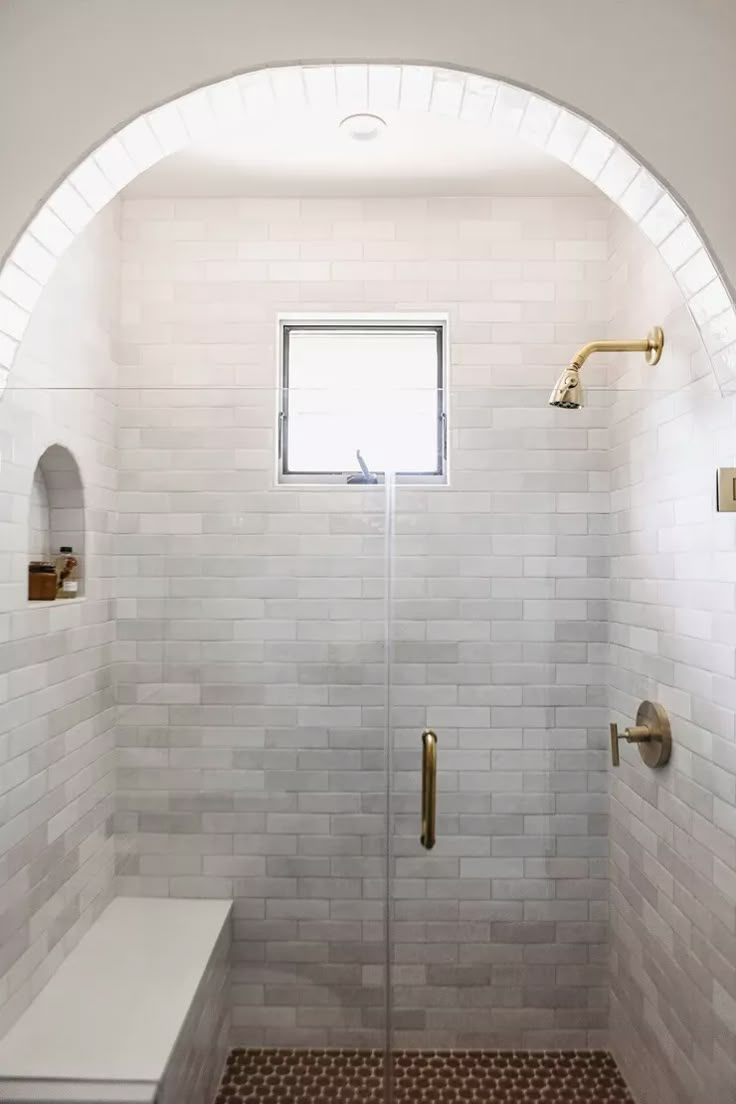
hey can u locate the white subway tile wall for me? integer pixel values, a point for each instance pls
(252, 623)
(672, 614)
(575, 566)
(57, 708)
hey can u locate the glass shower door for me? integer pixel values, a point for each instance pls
(253, 729)
(498, 634)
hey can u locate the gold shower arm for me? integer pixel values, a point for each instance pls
(651, 346)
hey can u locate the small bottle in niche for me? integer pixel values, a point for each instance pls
(42, 581)
(67, 573)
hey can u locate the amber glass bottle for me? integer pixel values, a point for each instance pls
(42, 582)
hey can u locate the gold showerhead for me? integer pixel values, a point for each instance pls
(568, 392)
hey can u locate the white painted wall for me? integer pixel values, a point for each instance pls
(657, 75)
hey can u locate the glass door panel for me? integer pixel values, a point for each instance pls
(498, 639)
(254, 726)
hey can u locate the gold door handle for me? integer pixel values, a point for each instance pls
(429, 788)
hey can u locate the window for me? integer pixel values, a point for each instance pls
(374, 387)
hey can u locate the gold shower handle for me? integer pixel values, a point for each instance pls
(429, 789)
(639, 734)
(615, 757)
(651, 732)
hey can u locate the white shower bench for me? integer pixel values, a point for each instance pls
(136, 1013)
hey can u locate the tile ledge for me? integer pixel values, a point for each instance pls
(46, 603)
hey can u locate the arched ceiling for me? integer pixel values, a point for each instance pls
(503, 111)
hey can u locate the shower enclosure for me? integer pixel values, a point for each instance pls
(283, 650)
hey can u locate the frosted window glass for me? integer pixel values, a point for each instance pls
(372, 389)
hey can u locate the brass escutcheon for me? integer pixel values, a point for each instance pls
(652, 733)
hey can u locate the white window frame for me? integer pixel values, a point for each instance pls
(387, 321)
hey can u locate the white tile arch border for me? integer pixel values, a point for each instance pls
(349, 87)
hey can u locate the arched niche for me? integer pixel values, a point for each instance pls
(56, 509)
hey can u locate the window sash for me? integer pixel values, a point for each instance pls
(384, 326)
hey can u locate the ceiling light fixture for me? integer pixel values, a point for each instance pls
(363, 127)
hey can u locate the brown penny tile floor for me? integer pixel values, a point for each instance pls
(422, 1077)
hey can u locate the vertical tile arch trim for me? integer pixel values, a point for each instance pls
(502, 107)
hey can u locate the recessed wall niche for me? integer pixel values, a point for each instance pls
(56, 514)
